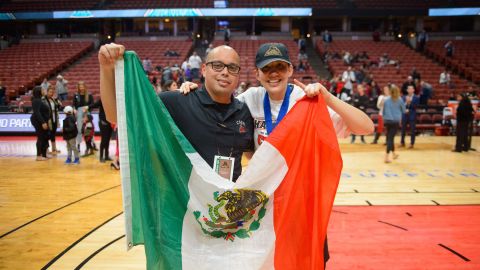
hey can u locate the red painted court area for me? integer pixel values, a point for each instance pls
(404, 237)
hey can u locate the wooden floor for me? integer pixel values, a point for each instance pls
(70, 217)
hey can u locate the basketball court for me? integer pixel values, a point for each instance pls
(420, 212)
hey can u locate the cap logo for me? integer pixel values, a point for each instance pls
(273, 50)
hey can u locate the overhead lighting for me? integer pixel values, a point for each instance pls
(399, 35)
(167, 20)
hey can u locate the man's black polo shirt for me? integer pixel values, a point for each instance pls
(212, 128)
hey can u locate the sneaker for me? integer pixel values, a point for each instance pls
(41, 159)
(68, 161)
(76, 161)
(411, 146)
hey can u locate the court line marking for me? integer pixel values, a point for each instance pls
(393, 225)
(97, 251)
(54, 260)
(454, 252)
(53, 211)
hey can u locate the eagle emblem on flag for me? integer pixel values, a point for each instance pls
(236, 213)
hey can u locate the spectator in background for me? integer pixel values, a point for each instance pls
(445, 78)
(195, 62)
(88, 131)
(69, 134)
(106, 131)
(449, 49)
(465, 114)
(176, 76)
(61, 88)
(360, 101)
(302, 55)
(301, 66)
(359, 75)
(210, 48)
(170, 85)
(169, 52)
(227, 35)
(39, 119)
(415, 75)
(380, 104)
(54, 119)
(348, 77)
(393, 110)
(45, 84)
(3, 91)
(241, 88)
(374, 90)
(327, 39)
(147, 65)
(422, 40)
(81, 102)
(406, 84)
(410, 116)
(347, 58)
(302, 44)
(426, 92)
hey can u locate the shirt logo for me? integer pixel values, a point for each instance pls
(241, 126)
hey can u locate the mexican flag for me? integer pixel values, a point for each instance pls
(274, 217)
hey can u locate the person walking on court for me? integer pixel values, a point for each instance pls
(393, 109)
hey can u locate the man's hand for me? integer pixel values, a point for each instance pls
(186, 87)
(108, 53)
(45, 126)
(314, 89)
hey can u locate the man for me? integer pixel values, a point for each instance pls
(147, 65)
(409, 82)
(426, 92)
(348, 77)
(218, 126)
(360, 101)
(410, 116)
(195, 62)
(61, 88)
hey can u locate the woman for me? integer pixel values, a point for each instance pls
(53, 123)
(393, 109)
(81, 101)
(39, 119)
(105, 131)
(464, 118)
(380, 104)
(170, 85)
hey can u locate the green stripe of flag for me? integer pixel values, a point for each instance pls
(159, 170)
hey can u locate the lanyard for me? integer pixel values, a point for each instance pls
(283, 109)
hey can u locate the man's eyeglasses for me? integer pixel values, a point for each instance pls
(219, 66)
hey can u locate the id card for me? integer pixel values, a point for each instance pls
(224, 166)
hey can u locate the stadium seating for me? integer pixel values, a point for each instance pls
(247, 50)
(87, 69)
(429, 70)
(465, 60)
(26, 64)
